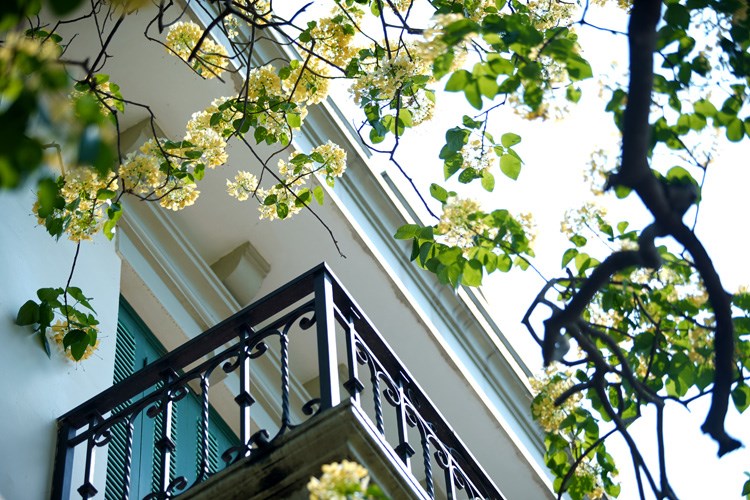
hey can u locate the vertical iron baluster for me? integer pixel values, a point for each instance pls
(404, 449)
(429, 483)
(87, 489)
(63, 469)
(353, 385)
(204, 472)
(377, 398)
(284, 345)
(128, 460)
(450, 486)
(243, 398)
(326, 332)
(165, 445)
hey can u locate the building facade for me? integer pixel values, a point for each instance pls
(181, 274)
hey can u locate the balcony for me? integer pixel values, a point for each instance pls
(312, 336)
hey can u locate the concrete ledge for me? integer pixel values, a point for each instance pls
(284, 471)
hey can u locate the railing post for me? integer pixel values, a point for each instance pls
(165, 446)
(403, 449)
(87, 489)
(326, 332)
(243, 398)
(63, 468)
(353, 384)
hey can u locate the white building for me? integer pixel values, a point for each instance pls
(182, 273)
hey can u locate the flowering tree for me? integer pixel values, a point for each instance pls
(651, 323)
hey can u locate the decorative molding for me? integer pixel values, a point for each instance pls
(242, 271)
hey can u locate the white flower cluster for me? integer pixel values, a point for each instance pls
(263, 84)
(387, 78)
(340, 481)
(211, 58)
(334, 36)
(328, 159)
(478, 156)
(461, 223)
(546, 389)
(83, 211)
(245, 184)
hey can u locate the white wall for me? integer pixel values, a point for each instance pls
(35, 389)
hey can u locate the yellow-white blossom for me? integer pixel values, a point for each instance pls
(334, 39)
(244, 185)
(211, 58)
(177, 194)
(284, 196)
(140, 173)
(103, 94)
(339, 480)
(57, 333)
(86, 216)
(263, 81)
(477, 155)
(385, 77)
(547, 388)
(461, 223)
(335, 158)
(309, 86)
(211, 144)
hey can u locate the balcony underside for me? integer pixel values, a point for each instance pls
(284, 470)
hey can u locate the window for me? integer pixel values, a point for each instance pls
(136, 347)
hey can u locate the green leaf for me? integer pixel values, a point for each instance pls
(510, 166)
(105, 194)
(294, 120)
(114, 213)
(49, 294)
(455, 139)
(282, 209)
(504, 263)
(735, 130)
(407, 231)
(487, 87)
(471, 123)
(578, 240)
(741, 397)
(458, 81)
(78, 295)
(28, 314)
(705, 108)
(318, 194)
(467, 175)
(569, 254)
(473, 95)
(472, 273)
(510, 139)
(75, 336)
(677, 15)
(488, 181)
(439, 193)
(63, 7)
(45, 343)
(573, 94)
(260, 134)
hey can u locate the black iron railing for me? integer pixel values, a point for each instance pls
(315, 302)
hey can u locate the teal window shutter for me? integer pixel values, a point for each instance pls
(136, 347)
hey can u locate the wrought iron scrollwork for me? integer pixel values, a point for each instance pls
(252, 335)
